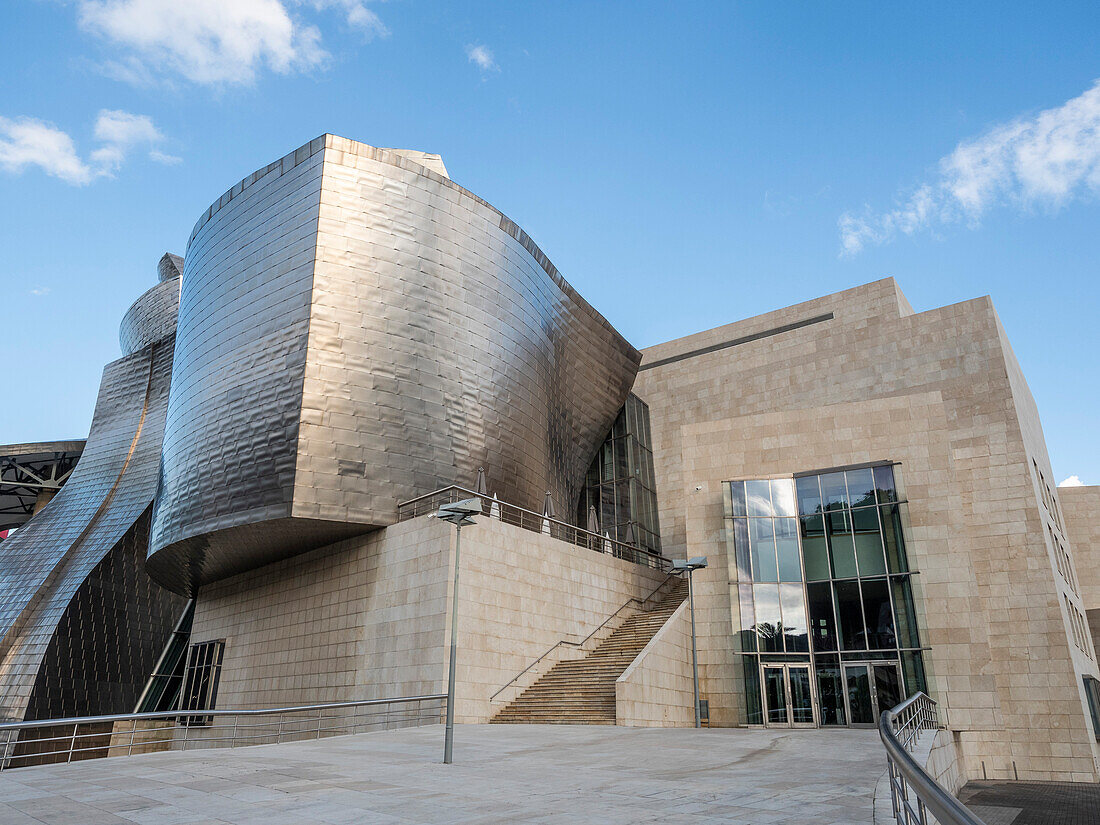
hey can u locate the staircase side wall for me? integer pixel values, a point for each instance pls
(519, 593)
(369, 617)
(656, 690)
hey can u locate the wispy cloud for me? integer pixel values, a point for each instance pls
(203, 41)
(216, 42)
(358, 16)
(1072, 481)
(27, 142)
(40, 290)
(1045, 161)
(482, 58)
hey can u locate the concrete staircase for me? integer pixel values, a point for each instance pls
(582, 691)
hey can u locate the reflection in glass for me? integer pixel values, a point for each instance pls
(868, 542)
(841, 543)
(814, 551)
(794, 618)
(861, 487)
(884, 484)
(850, 612)
(783, 496)
(895, 544)
(879, 617)
(830, 691)
(822, 622)
(759, 498)
(906, 613)
(763, 551)
(859, 695)
(802, 701)
(913, 667)
(769, 619)
(737, 493)
(809, 495)
(741, 549)
(833, 491)
(754, 714)
(786, 545)
(887, 686)
(747, 633)
(775, 696)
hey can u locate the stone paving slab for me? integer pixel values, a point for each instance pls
(549, 774)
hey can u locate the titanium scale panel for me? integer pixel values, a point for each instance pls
(356, 330)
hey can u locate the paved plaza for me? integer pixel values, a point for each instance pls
(502, 774)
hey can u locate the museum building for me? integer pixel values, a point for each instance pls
(351, 339)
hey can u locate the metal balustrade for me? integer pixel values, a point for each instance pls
(535, 522)
(913, 793)
(48, 741)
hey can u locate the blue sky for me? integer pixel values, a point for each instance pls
(683, 164)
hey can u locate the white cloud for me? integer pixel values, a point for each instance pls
(482, 58)
(40, 290)
(204, 41)
(26, 142)
(1046, 160)
(161, 157)
(358, 16)
(1072, 481)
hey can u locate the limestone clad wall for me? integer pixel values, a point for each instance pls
(1081, 513)
(940, 393)
(369, 617)
(656, 690)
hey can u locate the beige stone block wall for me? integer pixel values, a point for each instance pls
(1081, 512)
(656, 690)
(369, 617)
(939, 392)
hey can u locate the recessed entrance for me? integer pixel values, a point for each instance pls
(870, 689)
(788, 696)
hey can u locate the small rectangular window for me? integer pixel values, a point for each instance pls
(200, 686)
(1092, 692)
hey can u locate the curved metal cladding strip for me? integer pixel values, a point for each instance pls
(356, 330)
(152, 317)
(45, 564)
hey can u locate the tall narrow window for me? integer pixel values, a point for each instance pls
(200, 686)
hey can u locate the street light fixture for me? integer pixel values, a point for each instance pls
(689, 566)
(457, 513)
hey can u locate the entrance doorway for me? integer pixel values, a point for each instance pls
(788, 696)
(870, 689)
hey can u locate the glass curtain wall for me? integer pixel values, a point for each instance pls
(822, 578)
(621, 484)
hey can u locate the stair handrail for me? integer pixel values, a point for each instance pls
(632, 600)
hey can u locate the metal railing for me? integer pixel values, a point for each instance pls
(48, 741)
(913, 792)
(535, 522)
(567, 643)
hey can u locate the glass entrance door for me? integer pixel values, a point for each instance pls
(788, 696)
(870, 689)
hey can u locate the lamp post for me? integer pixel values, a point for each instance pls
(689, 566)
(457, 513)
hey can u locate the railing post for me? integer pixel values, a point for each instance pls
(72, 744)
(133, 730)
(233, 740)
(318, 736)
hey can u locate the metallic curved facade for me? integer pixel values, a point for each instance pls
(355, 330)
(152, 317)
(71, 580)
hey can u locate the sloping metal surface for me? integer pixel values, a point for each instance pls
(45, 564)
(355, 330)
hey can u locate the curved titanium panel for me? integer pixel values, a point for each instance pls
(356, 330)
(45, 564)
(151, 318)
